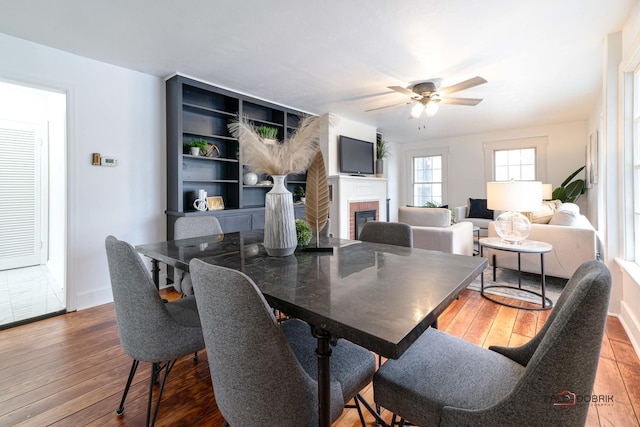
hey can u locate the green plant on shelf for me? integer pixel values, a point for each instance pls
(200, 143)
(299, 192)
(267, 132)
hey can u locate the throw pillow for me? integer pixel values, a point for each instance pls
(571, 207)
(567, 218)
(478, 209)
(544, 215)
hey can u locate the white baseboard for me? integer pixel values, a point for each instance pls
(94, 298)
(631, 326)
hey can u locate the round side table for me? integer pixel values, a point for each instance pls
(524, 247)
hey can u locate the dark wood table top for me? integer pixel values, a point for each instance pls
(381, 297)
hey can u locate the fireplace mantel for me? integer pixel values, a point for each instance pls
(346, 190)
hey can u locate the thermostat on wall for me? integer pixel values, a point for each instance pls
(108, 161)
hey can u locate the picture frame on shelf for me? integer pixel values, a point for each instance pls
(215, 203)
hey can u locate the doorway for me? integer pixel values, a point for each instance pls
(32, 203)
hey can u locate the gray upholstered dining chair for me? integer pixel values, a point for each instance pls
(186, 227)
(150, 329)
(391, 233)
(444, 380)
(264, 373)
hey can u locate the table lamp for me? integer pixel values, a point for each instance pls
(514, 197)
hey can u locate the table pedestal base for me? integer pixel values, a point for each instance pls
(547, 306)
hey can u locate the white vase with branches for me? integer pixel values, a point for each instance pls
(278, 160)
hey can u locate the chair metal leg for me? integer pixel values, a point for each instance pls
(134, 366)
(375, 413)
(356, 405)
(156, 369)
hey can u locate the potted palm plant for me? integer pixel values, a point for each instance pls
(382, 151)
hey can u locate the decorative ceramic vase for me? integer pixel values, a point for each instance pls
(379, 168)
(279, 223)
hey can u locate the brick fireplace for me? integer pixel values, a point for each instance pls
(359, 213)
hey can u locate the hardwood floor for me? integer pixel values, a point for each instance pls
(70, 370)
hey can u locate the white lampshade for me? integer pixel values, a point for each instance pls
(514, 197)
(547, 191)
(519, 196)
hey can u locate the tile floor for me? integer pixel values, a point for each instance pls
(28, 292)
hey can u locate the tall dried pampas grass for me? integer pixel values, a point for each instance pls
(291, 156)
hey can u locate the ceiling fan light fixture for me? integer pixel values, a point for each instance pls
(417, 110)
(431, 109)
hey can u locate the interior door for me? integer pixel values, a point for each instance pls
(20, 205)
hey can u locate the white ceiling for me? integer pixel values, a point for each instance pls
(542, 58)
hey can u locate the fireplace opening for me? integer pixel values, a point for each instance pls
(361, 218)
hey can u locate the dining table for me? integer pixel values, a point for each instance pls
(381, 297)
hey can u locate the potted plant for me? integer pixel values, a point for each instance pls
(303, 232)
(382, 151)
(569, 191)
(196, 146)
(268, 134)
(300, 193)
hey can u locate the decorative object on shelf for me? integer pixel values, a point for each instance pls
(569, 191)
(200, 204)
(514, 197)
(292, 156)
(196, 146)
(317, 204)
(303, 232)
(268, 134)
(212, 150)
(382, 152)
(215, 203)
(300, 193)
(265, 183)
(250, 178)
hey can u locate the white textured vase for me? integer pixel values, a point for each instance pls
(279, 221)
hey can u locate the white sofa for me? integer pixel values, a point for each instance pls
(572, 245)
(432, 229)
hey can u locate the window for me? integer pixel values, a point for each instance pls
(427, 180)
(519, 164)
(636, 165)
(523, 159)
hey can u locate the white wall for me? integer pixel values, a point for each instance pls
(113, 111)
(565, 154)
(334, 126)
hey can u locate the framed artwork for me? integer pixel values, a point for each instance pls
(215, 203)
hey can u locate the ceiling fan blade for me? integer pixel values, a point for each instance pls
(386, 106)
(460, 101)
(467, 84)
(404, 91)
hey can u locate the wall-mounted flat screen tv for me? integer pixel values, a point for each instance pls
(356, 156)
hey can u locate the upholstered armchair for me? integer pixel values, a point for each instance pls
(432, 229)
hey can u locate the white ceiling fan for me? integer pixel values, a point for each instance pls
(427, 97)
